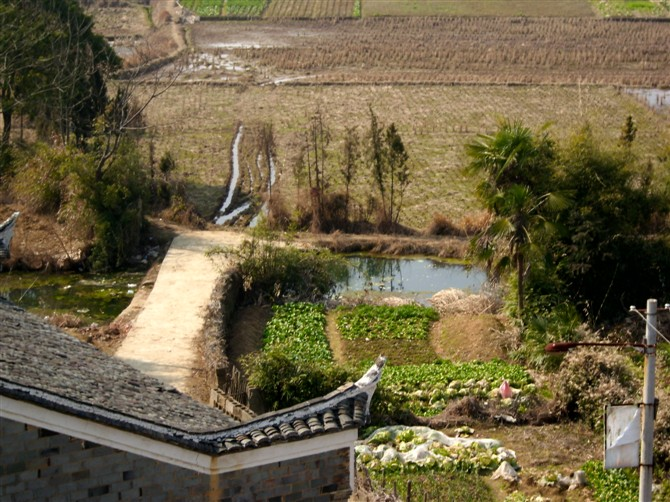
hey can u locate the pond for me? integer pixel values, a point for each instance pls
(416, 278)
(91, 297)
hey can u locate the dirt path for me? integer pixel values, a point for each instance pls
(161, 341)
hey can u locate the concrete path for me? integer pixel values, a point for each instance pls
(161, 342)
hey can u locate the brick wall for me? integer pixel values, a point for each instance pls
(37, 464)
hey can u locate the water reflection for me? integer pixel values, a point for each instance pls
(417, 278)
(654, 98)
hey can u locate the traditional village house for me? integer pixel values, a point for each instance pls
(77, 424)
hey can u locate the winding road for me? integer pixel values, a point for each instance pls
(161, 341)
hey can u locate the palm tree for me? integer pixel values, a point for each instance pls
(511, 156)
(521, 223)
(517, 172)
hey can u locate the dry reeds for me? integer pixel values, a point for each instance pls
(457, 301)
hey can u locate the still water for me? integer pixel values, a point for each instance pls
(92, 297)
(656, 99)
(417, 278)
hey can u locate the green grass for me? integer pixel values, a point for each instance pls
(244, 8)
(644, 8)
(436, 486)
(204, 7)
(563, 8)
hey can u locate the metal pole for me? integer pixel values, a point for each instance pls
(648, 398)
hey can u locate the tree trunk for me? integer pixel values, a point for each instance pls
(520, 274)
(5, 99)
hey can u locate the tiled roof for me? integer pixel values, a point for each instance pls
(42, 365)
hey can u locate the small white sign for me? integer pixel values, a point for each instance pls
(622, 436)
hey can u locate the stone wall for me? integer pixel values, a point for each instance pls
(37, 464)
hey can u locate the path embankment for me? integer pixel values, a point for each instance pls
(161, 341)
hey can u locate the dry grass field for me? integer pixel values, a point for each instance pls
(544, 8)
(197, 122)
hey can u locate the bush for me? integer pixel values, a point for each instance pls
(272, 271)
(117, 202)
(441, 225)
(42, 181)
(590, 378)
(561, 324)
(285, 381)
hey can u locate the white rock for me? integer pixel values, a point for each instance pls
(507, 472)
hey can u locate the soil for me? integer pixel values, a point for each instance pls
(420, 50)
(465, 337)
(246, 334)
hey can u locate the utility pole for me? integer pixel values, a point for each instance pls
(648, 347)
(648, 404)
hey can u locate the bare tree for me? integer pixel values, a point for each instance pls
(351, 153)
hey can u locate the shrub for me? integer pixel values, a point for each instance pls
(284, 380)
(116, 202)
(272, 271)
(588, 379)
(441, 225)
(561, 324)
(41, 184)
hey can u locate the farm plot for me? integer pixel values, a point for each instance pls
(299, 9)
(543, 8)
(204, 7)
(197, 123)
(298, 330)
(244, 8)
(471, 50)
(636, 8)
(227, 8)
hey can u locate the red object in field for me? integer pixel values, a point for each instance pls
(505, 390)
